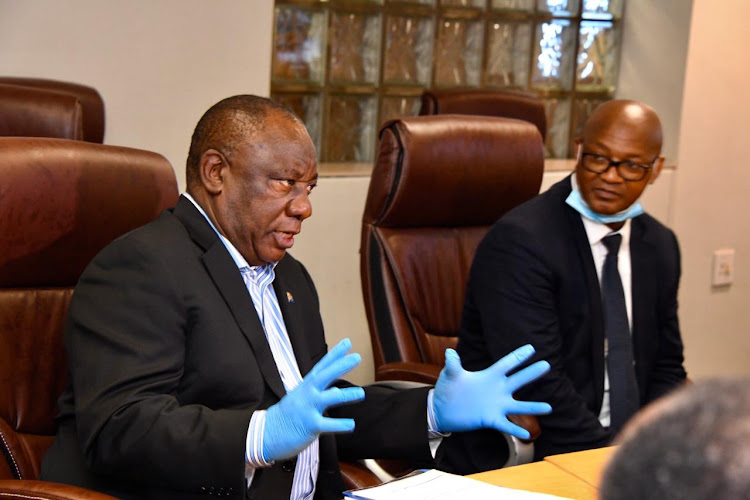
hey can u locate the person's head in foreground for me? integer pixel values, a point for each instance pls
(693, 444)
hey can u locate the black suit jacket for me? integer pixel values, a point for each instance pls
(168, 361)
(533, 280)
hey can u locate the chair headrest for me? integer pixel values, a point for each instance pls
(488, 102)
(62, 201)
(452, 170)
(90, 99)
(31, 112)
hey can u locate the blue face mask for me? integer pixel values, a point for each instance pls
(579, 204)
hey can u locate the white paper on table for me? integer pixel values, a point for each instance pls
(436, 485)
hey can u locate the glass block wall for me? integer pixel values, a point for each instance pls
(346, 66)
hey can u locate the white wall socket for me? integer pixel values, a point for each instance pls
(723, 268)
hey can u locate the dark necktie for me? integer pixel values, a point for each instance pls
(623, 388)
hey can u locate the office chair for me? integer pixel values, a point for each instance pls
(438, 184)
(43, 490)
(486, 102)
(91, 102)
(62, 201)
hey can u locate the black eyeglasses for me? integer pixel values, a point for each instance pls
(628, 170)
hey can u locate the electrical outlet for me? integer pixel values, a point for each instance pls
(723, 270)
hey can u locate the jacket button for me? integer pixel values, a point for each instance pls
(287, 466)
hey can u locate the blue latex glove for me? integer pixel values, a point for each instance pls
(465, 401)
(297, 419)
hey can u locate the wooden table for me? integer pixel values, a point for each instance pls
(572, 475)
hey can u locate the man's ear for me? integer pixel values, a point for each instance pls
(211, 171)
(656, 170)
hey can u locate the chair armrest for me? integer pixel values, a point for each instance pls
(408, 370)
(24, 488)
(356, 475)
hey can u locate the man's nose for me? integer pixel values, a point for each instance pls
(612, 174)
(300, 206)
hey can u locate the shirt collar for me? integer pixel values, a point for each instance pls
(596, 231)
(239, 260)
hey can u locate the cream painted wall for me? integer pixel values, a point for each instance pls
(158, 64)
(652, 64)
(711, 189)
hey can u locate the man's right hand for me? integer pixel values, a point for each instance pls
(297, 419)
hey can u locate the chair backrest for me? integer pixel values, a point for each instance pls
(89, 98)
(30, 112)
(61, 202)
(43, 490)
(438, 184)
(487, 102)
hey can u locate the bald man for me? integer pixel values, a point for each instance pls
(536, 279)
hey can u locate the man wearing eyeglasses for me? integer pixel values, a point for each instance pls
(588, 278)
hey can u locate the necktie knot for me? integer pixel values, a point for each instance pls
(612, 242)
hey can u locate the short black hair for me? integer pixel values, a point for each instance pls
(695, 444)
(226, 123)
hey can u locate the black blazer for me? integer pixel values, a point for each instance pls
(533, 280)
(168, 361)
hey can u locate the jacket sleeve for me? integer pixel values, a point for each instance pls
(668, 371)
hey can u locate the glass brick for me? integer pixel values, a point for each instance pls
(309, 108)
(418, 2)
(462, 3)
(458, 62)
(558, 123)
(596, 68)
(513, 5)
(299, 45)
(408, 50)
(355, 48)
(602, 9)
(397, 106)
(351, 128)
(558, 8)
(508, 54)
(553, 55)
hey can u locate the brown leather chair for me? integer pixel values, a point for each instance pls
(42, 490)
(30, 112)
(438, 184)
(487, 102)
(91, 102)
(61, 202)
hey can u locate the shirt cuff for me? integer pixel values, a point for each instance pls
(432, 430)
(254, 442)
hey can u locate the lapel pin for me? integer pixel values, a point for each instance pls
(290, 297)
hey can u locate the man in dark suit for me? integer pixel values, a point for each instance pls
(197, 359)
(536, 279)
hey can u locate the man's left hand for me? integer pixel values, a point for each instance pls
(465, 401)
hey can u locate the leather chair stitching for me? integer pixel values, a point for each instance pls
(7, 451)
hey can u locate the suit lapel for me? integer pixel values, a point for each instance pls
(290, 311)
(583, 250)
(228, 280)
